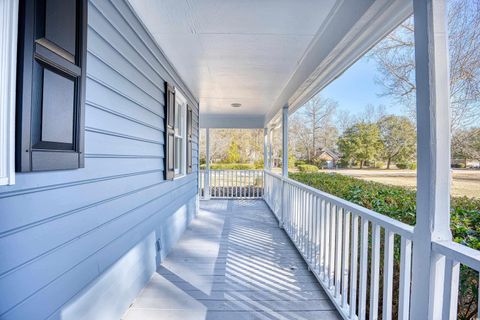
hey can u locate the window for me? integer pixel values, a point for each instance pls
(51, 84)
(180, 135)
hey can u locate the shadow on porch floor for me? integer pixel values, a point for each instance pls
(233, 262)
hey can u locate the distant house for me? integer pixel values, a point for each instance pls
(329, 156)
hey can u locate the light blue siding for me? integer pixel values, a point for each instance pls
(85, 241)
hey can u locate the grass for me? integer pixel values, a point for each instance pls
(464, 182)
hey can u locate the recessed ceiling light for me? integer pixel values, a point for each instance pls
(236, 105)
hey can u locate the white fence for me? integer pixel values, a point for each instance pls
(351, 251)
(229, 184)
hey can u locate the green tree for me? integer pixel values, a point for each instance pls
(360, 142)
(398, 137)
(233, 153)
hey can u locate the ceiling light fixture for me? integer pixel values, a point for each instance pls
(236, 105)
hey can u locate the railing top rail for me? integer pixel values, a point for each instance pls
(391, 224)
(458, 252)
(218, 170)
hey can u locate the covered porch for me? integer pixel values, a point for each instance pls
(257, 244)
(348, 249)
(233, 262)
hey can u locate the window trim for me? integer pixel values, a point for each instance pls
(8, 72)
(181, 100)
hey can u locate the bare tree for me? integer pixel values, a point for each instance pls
(299, 136)
(249, 142)
(396, 63)
(344, 120)
(318, 114)
(466, 145)
(371, 114)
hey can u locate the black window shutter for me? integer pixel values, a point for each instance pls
(169, 132)
(51, 84)
(189, 139)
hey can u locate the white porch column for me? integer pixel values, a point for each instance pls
(433, 156)
(284, 161)
(265, 148)
(270, 149)
(207, 165)
(285, 141)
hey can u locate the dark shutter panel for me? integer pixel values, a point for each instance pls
(169, 132)
(189, 139)
(51, 84)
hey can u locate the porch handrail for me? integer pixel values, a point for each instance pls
(332, 235)
(230, 184)
(396, 226)
(458, 252)
(455, 255)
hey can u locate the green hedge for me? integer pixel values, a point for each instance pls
(397, 202)
(307, 168)
(405, 165)
(230, 166)
(300, 163)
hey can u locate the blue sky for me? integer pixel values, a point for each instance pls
(356, 88)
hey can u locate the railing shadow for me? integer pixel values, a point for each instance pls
(257, 272)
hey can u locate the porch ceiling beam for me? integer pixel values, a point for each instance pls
(233, 121)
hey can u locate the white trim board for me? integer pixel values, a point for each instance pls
(8, 76)
(222, 121)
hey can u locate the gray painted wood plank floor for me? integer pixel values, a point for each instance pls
(233, 262)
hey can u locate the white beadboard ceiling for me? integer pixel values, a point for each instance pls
(264, 54)
(231, 51)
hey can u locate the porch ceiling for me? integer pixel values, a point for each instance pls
(257, 53)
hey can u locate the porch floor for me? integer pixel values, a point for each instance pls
(233, 262)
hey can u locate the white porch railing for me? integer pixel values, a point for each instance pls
(455, 255)
(229, 184)
(351, 249)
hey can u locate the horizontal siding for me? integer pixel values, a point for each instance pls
(63, 234)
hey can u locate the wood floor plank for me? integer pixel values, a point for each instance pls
(233, 262)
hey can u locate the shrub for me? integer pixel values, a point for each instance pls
(300, 163)
(258, 164)
(401, 165)
(458, 165)
(232, 166)
(307, 168)
(379, 164)
(343, 163)
(406, 165)
(292, 162)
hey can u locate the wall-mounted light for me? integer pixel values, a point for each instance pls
(236, 105)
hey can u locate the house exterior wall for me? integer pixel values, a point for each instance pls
(82, 243)
(325, 157)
